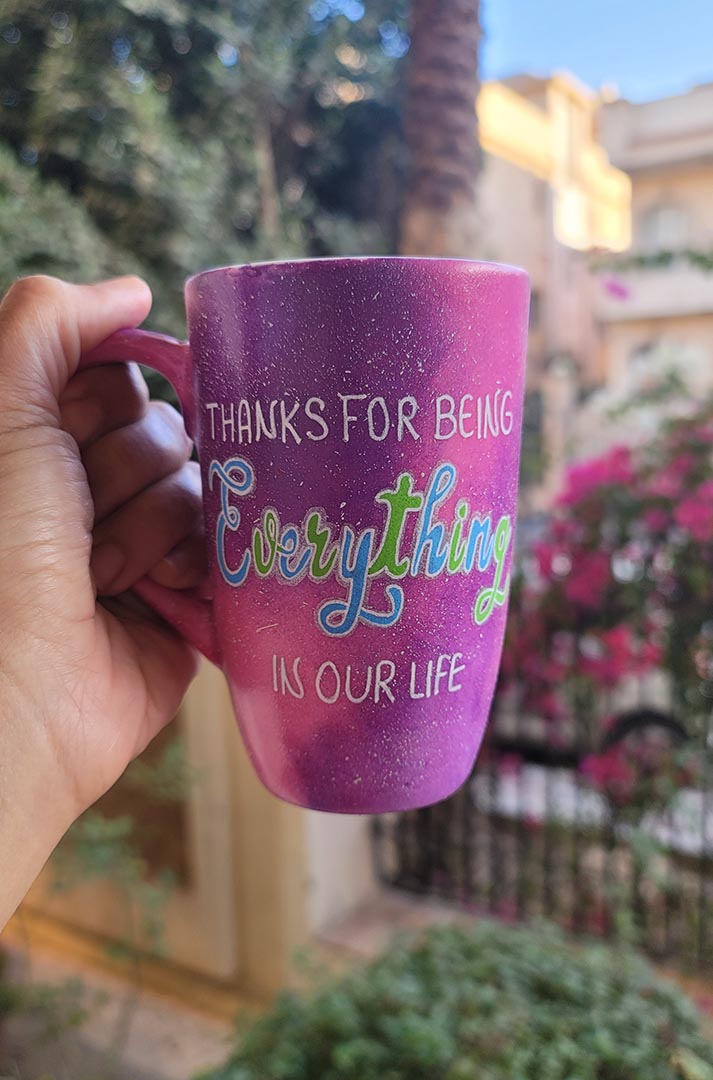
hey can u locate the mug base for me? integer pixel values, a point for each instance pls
(396, 800)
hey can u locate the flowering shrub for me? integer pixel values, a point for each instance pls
(620, 584)
(640, 773)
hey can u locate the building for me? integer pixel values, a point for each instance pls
(663, 317)
(548, 197)
(578, 189)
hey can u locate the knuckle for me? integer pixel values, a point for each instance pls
(131, 400)
(191, 475)
(170, 419)
(167, 412)
(137, 384)
(187, 494)
(34, 289)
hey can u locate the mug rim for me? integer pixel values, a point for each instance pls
(504, 269)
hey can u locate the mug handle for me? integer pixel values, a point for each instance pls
(186, 610)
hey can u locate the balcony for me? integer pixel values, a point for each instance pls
(672, 291)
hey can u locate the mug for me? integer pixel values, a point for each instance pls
(358, 426)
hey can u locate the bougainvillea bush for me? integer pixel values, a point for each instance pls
(492, 1003)
(620, 585)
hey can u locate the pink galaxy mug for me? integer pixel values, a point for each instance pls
(358, 426)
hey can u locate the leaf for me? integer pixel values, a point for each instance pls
(690, 1066)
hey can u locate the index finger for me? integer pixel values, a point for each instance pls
(45, 326)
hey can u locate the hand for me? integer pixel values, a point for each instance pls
(96, 490)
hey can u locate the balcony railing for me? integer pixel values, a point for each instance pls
(654, 293)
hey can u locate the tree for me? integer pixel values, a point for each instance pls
(44, 229)
(203, 132)
(441, 128)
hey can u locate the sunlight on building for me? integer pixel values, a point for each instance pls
(548, 127)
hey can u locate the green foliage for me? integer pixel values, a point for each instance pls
(56, 1008)
(492, 1003)
(662, 260)
(194, 134)
(670, 386)
(109, 849)
(169, 778)
(104, 848)
(43, 229)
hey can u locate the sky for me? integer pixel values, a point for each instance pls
(647, 48)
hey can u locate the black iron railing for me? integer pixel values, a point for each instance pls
(528, 837)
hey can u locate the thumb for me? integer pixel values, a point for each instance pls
(45, 326)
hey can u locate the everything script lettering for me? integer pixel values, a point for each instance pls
(316, 549)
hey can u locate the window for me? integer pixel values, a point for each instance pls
(642, 353)
(664, 227)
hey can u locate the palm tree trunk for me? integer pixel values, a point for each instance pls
(441, 129)
(267, 182)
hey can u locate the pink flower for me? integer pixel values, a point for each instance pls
(598, 922)
(705, 491)
(650, 655)
(616, 288)
(619, 640)
(545, 704)
(669, 481)
(611, 774)
(567, 531)
(544, 553)
(655, 519)
(509, 765)
(704, 1003)
(589, 577)
(552, 671)
(665, 485)
(506, 910)
(695, 513)
(703, 434)
(617, 657)
(682, 464)
(692, 434)
(614, 467)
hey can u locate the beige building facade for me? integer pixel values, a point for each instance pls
(575, 185)
(663, 315)
(547, 197)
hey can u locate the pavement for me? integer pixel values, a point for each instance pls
(128, 1035)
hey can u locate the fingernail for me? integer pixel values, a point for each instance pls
(182, 568)
(178, 559)
(107, 563)
(174, 567)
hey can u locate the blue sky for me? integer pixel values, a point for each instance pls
(648, 48)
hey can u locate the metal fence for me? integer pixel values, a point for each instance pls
(528, 837)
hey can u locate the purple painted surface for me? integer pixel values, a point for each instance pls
(389, 329)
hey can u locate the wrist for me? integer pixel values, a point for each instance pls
(35, 810)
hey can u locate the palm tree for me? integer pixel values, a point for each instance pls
(441, 128)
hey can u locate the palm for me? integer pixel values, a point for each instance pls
(136, 680)
(98, 466)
